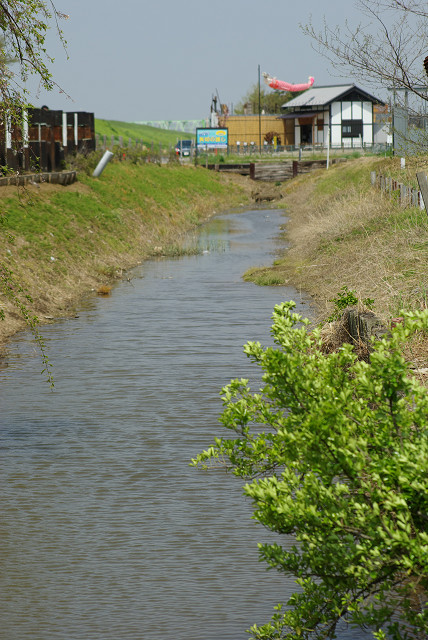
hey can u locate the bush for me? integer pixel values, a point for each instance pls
(335, 452)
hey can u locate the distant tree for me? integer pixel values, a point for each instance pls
(386, 50)
(270, 101)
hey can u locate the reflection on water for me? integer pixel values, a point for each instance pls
(106, 533)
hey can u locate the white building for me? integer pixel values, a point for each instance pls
(344, 115)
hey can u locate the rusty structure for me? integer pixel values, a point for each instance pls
(43, 138)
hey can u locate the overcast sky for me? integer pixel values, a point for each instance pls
(136, 60)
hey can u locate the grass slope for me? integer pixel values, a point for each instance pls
(138, 132)
(61, 242)
(341, 231)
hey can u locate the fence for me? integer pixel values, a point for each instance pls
(108, 142)
(406, 196)
(251, 149)
(42, 139)
(104, 142)
(410, 131)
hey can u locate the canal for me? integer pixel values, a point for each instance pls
(106, 532)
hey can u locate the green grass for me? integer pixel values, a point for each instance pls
(263, 276)
(105, 211)
(349, 175)
(139, 132)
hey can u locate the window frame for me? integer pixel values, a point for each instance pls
(354, 128)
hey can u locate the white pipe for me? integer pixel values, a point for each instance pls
(64, 130)
(102, 164)
(328, 146)
(25, 129)
(8, 132)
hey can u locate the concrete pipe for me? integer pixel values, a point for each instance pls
(102, 164)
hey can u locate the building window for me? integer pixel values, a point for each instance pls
(352, 128)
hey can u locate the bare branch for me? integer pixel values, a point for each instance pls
(387, 51)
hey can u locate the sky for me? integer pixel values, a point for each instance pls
(136, 60)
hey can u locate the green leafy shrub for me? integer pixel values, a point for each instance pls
(335, 454)
(347, 298)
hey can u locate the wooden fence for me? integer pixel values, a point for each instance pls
(42, 139)
(52, 177)
(406, 195)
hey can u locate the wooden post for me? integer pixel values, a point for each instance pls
(328, 146)
(260, 120)
(39, 135)
(295, 168)
(423, 186)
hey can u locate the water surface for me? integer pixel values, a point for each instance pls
(106, 533)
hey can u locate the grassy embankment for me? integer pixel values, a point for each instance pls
(140, 132)
(343, 232)
(70, 240)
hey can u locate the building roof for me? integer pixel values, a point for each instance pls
(323, 96)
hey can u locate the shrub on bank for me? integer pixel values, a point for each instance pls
(335, 452)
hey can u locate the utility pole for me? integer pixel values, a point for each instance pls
(260, 120)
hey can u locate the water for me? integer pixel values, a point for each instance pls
(105, 532)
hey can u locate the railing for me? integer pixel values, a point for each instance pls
(305, 149)
(104, 142)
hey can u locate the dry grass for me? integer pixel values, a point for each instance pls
(343, 232)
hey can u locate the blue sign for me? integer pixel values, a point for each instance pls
(212, 138)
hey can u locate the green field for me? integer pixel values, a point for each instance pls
(139, 132)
